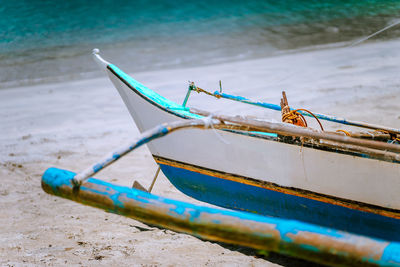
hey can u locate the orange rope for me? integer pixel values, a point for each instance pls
(309, 112)
(392, 136)
(295, 118)
(345, 132)
(200, 90)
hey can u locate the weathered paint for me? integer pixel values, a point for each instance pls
(318, 115)
(387, 212)
(182, 112)
(146, 137)
(288, 237)
(247, 101)
(152, 96)
(344, 192)
(151, 134)
(187, 96)
(246, 194)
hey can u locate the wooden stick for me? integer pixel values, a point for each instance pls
(373, 136)
(318, 115)
(292, 130)
(154, 179)
(369, 151)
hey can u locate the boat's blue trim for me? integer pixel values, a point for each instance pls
(183, 112)
(151, 96)
(241, 196)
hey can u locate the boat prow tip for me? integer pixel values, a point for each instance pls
(99, 60)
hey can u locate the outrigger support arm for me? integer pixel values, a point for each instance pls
(147, 136)
(279, 128)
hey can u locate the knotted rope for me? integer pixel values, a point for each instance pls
(208, 123)
(200, 90)
(297, 118)
(293, 116)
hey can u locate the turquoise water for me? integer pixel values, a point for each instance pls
(40, 40)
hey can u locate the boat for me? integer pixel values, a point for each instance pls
(331, 180)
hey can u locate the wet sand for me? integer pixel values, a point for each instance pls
(72, 124)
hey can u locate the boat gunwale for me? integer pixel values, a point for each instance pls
(111, 67)
(145, 97)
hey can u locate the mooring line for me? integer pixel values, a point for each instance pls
(375, 33)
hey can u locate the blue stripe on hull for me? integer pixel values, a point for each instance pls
(235, 195)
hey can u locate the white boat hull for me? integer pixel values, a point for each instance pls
(344, 181)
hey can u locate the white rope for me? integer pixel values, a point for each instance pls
(208, 123)
(375, 33)
(296, 72)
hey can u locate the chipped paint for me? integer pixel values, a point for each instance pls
(151, 96)
(281, 189)
(288, 237)
(146, 137)
(264, 198)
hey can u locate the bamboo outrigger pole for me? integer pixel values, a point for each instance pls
(287, 237)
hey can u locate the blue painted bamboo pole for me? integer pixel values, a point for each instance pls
(319, 116)
(287, 237)
(147, 136)
(187, 95)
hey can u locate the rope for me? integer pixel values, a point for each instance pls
(344, 131)
(375, 33)
(200, 90)
(208, 123)
(298, 119)
(312, 114)
(292, 116)
(357, 42)
(295, 118)
(392, 136)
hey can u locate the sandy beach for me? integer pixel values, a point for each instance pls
(72, 124)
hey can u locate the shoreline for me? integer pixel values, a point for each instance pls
(72, 124)
(97, 74)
